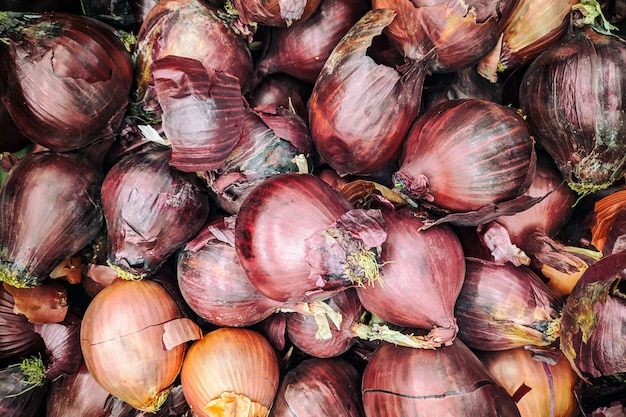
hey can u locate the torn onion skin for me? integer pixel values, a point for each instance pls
(450, 381)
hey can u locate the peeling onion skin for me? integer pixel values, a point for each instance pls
(361, 111)
(51, 209)
(574, 99)
(449, 381)
(280, 13)
(319, 388)
(151, 211)
(465, 154)
(422, 275)
(594, 320)
(58, 101)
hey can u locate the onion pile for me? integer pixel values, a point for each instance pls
(312, 208)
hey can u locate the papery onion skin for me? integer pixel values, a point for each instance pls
(215, 286)
(202, 111)
(302, 49)
(271, 230)
(275, 12)
(460, 33)
(151, 210)
(516, 370)
(573, 97)
(17, 335)
(319, 388)
(502, 306)
(450, 381)
(191, 29)
(422, 275)
(122, 342)
(57, 100)
(465, 154)
(361, 111)
(51, 209)
(228, 368)
(594, 318)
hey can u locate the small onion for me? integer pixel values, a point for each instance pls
(69, 80)
(573, 96)
(450, 381)
(360, 111)
(133, 341)
(51, 209)
(151, 210)
(298, 239)
(230, 372)
(502, 306)
(465, 154)
(422, 275)
(319, 388)
(540, 389)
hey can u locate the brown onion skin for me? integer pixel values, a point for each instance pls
(151, 210)
(184, 28)
(422, 275)
(319, 388)
(17, 335)
(271, 228)
(361, 111)
(502, 306)
(459, 32)
(571, 97)
(465, 154)
(593, 320)
(51, 209)
(121, 338)
(230, 360)
(302, 49)
(275, 12)
(215, 286)
(449, 381)
(61, 102)
(302, 329)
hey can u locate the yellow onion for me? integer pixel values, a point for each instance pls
(133, 341)
(230, 372)
(539, 388)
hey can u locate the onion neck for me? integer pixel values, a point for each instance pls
(16, 276)
(417, 188)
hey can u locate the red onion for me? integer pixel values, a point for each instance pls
(17, 335)
(571, 96)
(151, 211)
(51, 206)
(528, 28)
(328, 386)
(422, 275)
(281, 90)
(594, 319)
(465, 154)
(57, 100)
(274, 12)
(190, 29)
(451, 381)
(298, 239)
(460, 33)
(360, 111)
(502, 306)
(202, 111)
(301, 49)
(273, 141)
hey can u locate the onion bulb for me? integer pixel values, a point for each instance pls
(274, 12)
(133, 339)
(230, 372)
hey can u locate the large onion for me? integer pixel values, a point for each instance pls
(230, 372)
(573, 96)
(465, 154)
(70, 76)
(133, 341)
(298, 239)
(450, 381)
